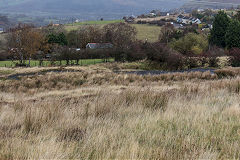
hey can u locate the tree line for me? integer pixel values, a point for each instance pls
(26, 42)
(175, 49)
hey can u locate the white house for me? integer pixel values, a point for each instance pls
(186, 20)
(179, 18)
(77, 21)
(153, 14)
(195, 21)
(1, 30)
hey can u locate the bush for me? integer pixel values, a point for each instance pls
(164, 55)
(211, 56)
(157, 52)
(235, 56)
(191, 44)
(134, 53)
(175, 61)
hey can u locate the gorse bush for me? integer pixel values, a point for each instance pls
(191, 44)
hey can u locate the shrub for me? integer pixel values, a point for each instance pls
(175, 61)
(235, 56)
(157, 52)
(164, 55)
(134, 53)
(191, 44)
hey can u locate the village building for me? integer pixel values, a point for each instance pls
(77, 21)
(195, 20)
(152, 14)
(99, 46)
(188, 20)
(180, 18)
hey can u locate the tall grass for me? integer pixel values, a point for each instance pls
(115, 116)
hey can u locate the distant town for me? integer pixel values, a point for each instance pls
(201, 19)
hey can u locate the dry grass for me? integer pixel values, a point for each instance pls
(93, 113)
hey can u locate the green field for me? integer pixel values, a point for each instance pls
(144, 31)
(73, 26)
(34, 63)
(149, 32)
(2, 38)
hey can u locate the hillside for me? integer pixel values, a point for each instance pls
(92, 9)
(216, 4)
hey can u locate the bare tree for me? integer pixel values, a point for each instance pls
(24, 41)
(167, 32)
(120, 34)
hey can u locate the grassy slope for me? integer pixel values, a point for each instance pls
(148, 32)
(73, 26)
(2, 38)
(145, 31)
(94, 113)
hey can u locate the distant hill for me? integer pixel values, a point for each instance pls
(194, 4)
(225, 1)
(88, 9)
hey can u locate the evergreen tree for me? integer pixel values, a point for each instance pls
(60, 39)
(232, 37)
(220, 25)
(52, 38)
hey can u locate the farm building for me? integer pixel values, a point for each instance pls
(99, 45)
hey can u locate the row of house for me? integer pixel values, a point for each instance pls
(188, 20)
